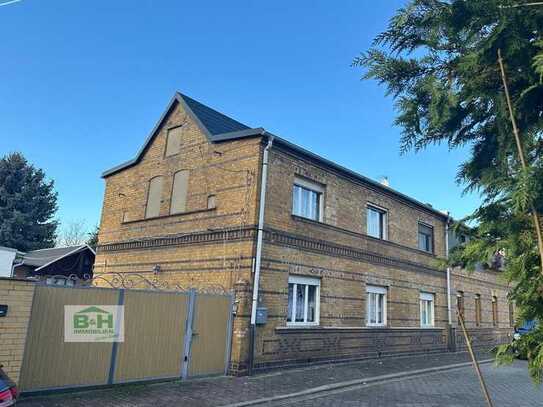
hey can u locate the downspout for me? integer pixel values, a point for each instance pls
(258, 259)
(449, 313)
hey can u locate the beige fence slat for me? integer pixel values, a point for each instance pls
(154, 328)
(209, 342)
(49, 362)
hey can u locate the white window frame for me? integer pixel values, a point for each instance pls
(372, 289)
(307, 281)
(424, 299)
(384, 213)
(314, 187)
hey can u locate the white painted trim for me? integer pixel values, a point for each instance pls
(85, 246)
(371, 289)
(309, 184)
(427, 297)
(314, 187)
(376, 289)
(384, 211)
(294, 279)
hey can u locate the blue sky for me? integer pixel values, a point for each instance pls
(83, 82)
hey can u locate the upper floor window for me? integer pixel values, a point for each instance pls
(426, 309)
(178, 202)
(154, 197)
(495, 310)
(376, 306)
(307, 199)
(303, 300)
(173, 141)
(377, 222)
(426, 238)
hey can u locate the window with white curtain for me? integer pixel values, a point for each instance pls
(376, 222)
(307, 199)
(376, 306)
(426, 309)
(303, 300)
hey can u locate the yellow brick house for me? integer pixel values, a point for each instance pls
(326, 264)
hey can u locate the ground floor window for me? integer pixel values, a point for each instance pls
(426, 309)
(376, 306)
(303, 301)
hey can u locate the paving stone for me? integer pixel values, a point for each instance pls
(228, 390)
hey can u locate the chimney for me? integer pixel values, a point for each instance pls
(384, 181)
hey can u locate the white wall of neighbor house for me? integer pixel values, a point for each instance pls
(7, 256)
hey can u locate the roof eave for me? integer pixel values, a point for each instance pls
(357, 176)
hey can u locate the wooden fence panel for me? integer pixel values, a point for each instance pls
(154, 329)
(49, 361)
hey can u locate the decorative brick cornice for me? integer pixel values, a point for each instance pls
(206, 237)
(320, 246)
(272, 236)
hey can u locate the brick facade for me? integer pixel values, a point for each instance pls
(216, 245)
(17, 295)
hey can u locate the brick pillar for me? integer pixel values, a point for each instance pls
(239, 360)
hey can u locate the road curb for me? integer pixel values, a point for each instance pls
(352, 383)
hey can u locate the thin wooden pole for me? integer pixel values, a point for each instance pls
(474, 360)
(520, 150)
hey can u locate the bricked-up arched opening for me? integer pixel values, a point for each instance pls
(152, 208)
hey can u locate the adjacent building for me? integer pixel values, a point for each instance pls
(326, 264)
(57, 265)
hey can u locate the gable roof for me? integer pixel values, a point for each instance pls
(44, 257)
(219, 127)
(211, 122)
(215, 122)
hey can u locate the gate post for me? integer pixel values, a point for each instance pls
(115, 345)
(185, 363)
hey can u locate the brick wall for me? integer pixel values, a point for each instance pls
(17, 294)
(338, 252)
(229, 171)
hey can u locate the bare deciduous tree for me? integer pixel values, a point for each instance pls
(72, 233)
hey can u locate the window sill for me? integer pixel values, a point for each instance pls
(349, 329)
(302, 324)
(169, 216)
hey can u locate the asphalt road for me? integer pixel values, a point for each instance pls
(509, 386)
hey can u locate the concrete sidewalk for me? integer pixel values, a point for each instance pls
(225, 391)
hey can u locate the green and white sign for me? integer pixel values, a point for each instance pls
(93, 323)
